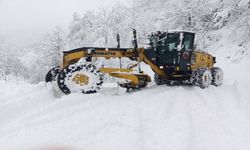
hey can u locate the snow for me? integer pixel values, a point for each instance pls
(34, 117)
(40, 117)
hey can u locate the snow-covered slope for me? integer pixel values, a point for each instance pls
(34, 117)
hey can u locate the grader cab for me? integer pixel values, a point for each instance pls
(170, 55)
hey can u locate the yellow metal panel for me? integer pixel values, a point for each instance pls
(177, 75)
(155, 68)
(202, 60)
(75, 56)
(109, 70)
(131, 77)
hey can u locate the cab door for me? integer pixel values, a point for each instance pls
(186, 51)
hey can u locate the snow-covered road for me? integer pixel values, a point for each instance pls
(156, 118)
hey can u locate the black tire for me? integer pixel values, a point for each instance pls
(217, 76)
(52, 74)
(159, 80)
(67, 84)
(201, 77)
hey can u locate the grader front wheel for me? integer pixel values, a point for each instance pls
(84, 78)
(52, 74)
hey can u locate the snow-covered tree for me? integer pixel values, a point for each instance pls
(11, 67)
(82, 30)
(227, 10)
(100, 27)
(45, 54)
(58, 44)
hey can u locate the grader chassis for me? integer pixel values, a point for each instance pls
(170, 55)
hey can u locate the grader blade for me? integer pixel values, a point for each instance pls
(134, 80)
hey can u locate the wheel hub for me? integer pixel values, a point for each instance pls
(81, 79)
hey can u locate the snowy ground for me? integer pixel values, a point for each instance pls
(33, 117)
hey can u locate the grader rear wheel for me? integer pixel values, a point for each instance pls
(202, 77)
(84, 78)
(217, 76)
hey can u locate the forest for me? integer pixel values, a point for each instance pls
(214, 22)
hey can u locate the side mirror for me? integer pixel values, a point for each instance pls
(195, 47)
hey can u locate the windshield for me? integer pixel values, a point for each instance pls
(168, 42)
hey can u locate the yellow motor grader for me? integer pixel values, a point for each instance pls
(170, 55)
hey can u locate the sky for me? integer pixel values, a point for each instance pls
(25, 21)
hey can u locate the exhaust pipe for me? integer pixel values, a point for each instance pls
(134, 42)
(118, 40)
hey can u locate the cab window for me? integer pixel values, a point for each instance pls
(188, 42)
